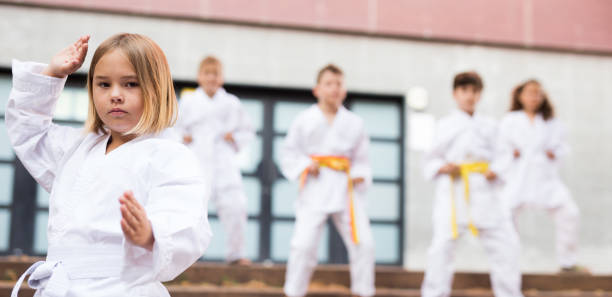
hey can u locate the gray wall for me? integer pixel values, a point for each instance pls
(579, 85)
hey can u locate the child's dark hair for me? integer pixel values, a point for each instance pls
(546, 108)
(470, 78)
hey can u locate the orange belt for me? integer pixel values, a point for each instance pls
(341, 164)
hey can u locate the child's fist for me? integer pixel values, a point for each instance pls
(450, 169)
(314, 168)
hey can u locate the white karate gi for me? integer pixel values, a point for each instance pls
(326, 195)
(208, 121)
(532, 180)
(462, 138)
(88, 254)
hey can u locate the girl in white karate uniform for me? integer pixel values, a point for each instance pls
(530, 147)
(126, 210)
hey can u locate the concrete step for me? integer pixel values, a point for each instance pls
(246, 291)
(223, 280)
(386, 277)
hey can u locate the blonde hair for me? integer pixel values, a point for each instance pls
(151, 67)
(211, 60)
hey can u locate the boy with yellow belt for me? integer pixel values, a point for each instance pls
(465, 196)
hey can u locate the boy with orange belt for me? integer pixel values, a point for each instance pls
(326, 150)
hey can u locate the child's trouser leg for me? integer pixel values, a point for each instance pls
(567, 220)
(503, 249)
(303, 254)
(232, 211)
(440, 256)
(361, 256)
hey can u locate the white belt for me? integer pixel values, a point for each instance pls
(52, 277)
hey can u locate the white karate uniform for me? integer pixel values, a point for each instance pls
(88, 254)
(462, 138)
(532, 180)
(208, 120)
(326, 195)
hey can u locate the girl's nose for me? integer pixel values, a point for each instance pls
(116, 96)
(116, 99)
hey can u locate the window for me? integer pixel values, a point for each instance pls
(271, 198)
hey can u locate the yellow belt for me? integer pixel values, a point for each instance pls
(465, 170)
(341, 164)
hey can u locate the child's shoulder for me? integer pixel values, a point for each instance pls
(447, 120)
(230, 98)
(510, 117)
(513, 114)
(308, 113)
(189, 100)
(353, 117)
(165, 144)
(168, 154)
(487, 120)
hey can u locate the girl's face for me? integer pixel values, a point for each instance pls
(117, 94)
(531, 97)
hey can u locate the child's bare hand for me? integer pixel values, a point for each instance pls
(134, 223)
(490, 175)
(314, 168)
(187, 139)
(517, 153)
(551, 155)
(358, 180)
(69, 59)
(450, 169)
(229, 138)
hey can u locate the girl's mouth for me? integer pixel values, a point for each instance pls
(117, 111)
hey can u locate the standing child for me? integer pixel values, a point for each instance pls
(326, 150)
(531, 145)
(465, 198)
(216, 127)
(126, 211)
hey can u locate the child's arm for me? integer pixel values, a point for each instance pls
(40, 144)
(182, 127)
(361, 171)
(557, 146)
(244, 132)
(504, 151)
(293, 159)
(435, 162)
(175, 210)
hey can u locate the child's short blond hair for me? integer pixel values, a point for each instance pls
(329, 68)
(154, 77)
(211, 60)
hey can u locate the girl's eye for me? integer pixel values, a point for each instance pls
(103, 85)
(131, 84)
